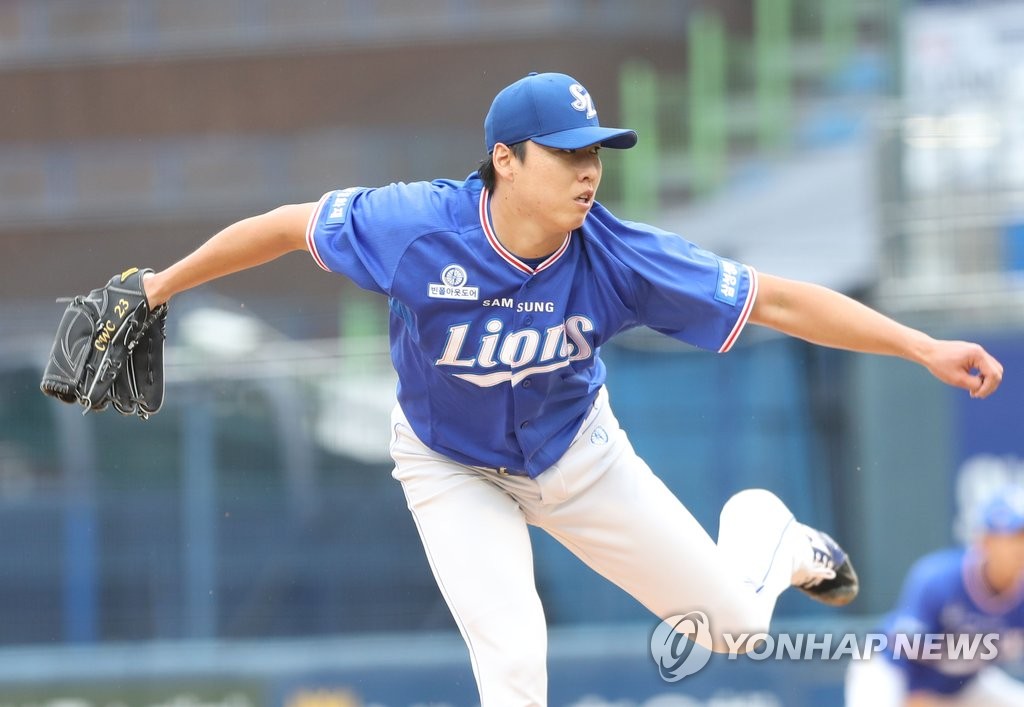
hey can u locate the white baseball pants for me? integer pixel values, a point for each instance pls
(878, 683)
(604, 504)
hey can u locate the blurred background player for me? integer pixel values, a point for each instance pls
(967, 591)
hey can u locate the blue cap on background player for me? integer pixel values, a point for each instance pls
(552, 110)
(1004, 512)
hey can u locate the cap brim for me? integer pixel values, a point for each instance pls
(1003, 513)
(576, 138)
(1004, 526)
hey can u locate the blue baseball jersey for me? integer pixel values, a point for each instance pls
(946, 593)
(497, 357)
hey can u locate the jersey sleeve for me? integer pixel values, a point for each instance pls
(686, 292)
(363, 233)
(920, 601)
(925, 593)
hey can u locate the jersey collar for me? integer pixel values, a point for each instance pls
(505, 253)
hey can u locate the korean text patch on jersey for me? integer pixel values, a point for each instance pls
(728, 281)
(453, 285)
(337, 206)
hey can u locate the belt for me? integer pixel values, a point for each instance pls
(502, 470)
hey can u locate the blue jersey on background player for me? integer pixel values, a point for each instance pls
(502, 290)
(974, 597)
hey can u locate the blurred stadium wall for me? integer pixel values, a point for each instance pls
(248, 546)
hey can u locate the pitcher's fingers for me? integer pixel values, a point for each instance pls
(990, 375)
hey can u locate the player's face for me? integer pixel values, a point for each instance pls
(558, 187)
(1005, 555)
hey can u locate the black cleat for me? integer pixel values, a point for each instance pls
(830, 578)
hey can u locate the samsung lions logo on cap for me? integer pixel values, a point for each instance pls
(453, 285)
(583, 102)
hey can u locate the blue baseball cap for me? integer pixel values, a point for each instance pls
(1003, 513)
(552, 110)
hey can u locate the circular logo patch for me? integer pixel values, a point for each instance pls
(454, 276)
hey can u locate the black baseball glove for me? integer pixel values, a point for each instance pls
(109, 349)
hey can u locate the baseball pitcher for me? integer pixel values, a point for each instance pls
(502, 289)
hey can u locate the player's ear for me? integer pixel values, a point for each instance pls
(503, 159)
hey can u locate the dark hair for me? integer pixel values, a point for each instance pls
(486, 168)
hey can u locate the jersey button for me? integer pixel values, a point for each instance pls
(524, 425)
(527, 383)
(528, 321)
